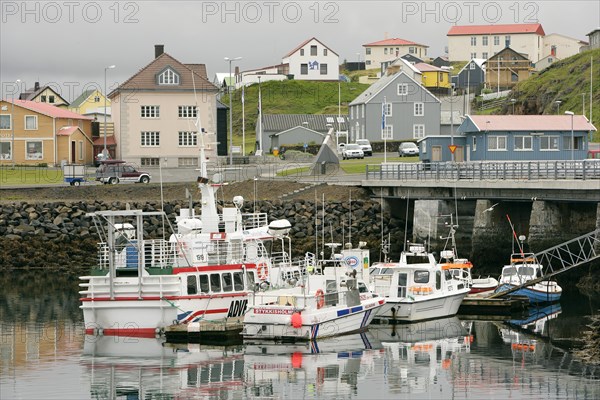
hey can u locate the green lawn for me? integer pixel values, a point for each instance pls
(358, 166)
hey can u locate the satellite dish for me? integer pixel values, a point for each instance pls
(217, 178)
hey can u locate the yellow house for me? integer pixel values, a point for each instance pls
(44, 94)
(91, 103)
(33, 133)
(433, 77)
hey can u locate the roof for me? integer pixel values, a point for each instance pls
(315, 122)
(263, 68)
(523, 56)
(481, 62)
(305, 43)
(322, 133)
(594, 31)
(145, 78)
(200, 69)
(404, 61)
(459, 30)
(381, 84)
(225, 77)
(424, 67)
(48, 109)
(31, 94)
(110, 140)
(82, 98)
(99, 110)
(530, 123)
(394, 42)
(582, 42)
(67, 130)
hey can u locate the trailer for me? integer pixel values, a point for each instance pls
(74, 174)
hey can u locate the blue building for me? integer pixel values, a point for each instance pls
(471, 76)
(513, 137)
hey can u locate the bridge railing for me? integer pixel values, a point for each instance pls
(486, 170)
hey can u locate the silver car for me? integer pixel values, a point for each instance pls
(352, 150)
(408, 149)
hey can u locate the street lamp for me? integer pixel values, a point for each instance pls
(513, 101)
(230, 60)
(572, 114)
(557, 102)
(12, 124)
(105, 151)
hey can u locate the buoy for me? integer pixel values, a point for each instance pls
(262, 271)
(296, 320)
(320, 298)
(296, 358)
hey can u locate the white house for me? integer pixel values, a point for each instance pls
(561, 46)
(387, 50)
(594, 39)
(314, 61)
(277, 72)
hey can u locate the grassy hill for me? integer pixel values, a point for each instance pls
(289, 97)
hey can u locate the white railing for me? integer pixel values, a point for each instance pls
(157, 253)
(254, 220)
(146, 286)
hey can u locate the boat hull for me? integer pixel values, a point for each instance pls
(536, 294)
(422, 308)
(275, 323)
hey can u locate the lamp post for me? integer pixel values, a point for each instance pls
(12, 125)
(572, 114)
(557, 102)
(230, 60)
(513, 101)
(105, 150)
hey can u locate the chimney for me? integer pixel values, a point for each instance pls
(237, 70)
(36, 87)
(158, 50)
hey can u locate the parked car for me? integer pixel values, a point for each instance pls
(408, 149)
(352, 150)
(115, 171)
(365, 145)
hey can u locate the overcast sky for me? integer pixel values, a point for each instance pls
(69, 43)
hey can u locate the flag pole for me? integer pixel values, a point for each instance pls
(383, 133)
(243, 125)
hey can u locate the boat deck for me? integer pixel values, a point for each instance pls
(226, 331)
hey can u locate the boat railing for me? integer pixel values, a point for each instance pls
(157, 253)
(254, 220)
(215, 252)
(144, 286)
(272, 303)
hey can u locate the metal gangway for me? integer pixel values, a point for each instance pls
(561, 258)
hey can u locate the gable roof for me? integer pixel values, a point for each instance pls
(305, 43)
(82, 98)
(48, 109)
(394, 42)
(508, 50)
(316, 122)
(404, 61)
(530, 123)
(145, 78)
(582, 42)
(424, 67)
(299, 127)
(31, 94)
(373, 90)
(200, 69)
(481, 62)
(459, 30)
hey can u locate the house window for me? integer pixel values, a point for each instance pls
(484, 55)
(187, 161)
(474, 143)
(34, 150)
(150, 111)
(323, 69)
(368, 62)
(385, 50)
(507, 40)
(168, 77)
(473, 55)
(387, 110)
(303, 69)
(187, 111)
(324, 52)
(5, 122)
(150, 139)
(363, 110)
(31, 122)
(5, 151)
(188, 139)
(496, 40)
(473, 40)
(351, 112)
(97, 99)
(43, 98)
(514, 77)
(368, 51)
(418, 131)
(484, 40)
(419, 110)
(424, 146)
(549, 143)
(51, 99)
(496, 143)
(80, 153)
(388, 132)
(313, 50)
(523, 143)
(578, 143)
(402, 89)
(150, 162)
(441, 77)
(301, 52)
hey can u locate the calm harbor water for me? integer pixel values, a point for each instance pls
(44, 354)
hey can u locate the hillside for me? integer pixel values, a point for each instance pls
(289, 97)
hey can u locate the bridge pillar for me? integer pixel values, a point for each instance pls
(427, 225)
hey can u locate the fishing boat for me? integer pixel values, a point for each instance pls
(416, 288)
(205, 270)
(523, 268)
(330, 301)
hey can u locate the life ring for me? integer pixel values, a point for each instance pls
(262, 271)
(320, 298)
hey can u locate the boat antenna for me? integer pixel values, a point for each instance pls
(515, 238)
(406, 220)
(350, 218)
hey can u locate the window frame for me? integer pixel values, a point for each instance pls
(315, 52)
(187, 139)
(321, 71)
(168, 77)
(497, 147)
(418, 109)
(416, 128)
(303, 69)
(35, 118)
(549, 139)
(187, 112)
(9, 155)
(150, 139)
(523, 139)
(387, 133)
(9, 122)
(27, 152)
(402, 89)
(152, 112)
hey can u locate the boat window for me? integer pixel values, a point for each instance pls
(250, 279)
(227, 282)
(204, 283)
(421, 277)
(362, 288)
(417, 259)
(192, 284)
(447, 275)
(438, 280)
(509, 271)
(238, 281)
(215, 282)
(526, 271)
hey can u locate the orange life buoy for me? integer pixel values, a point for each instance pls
(262, 271)
(320, 298)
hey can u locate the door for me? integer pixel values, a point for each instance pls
(73, 148)
(436, 153)
(468, 153)
(402, 278)
(459, 154)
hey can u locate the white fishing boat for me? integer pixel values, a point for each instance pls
(416, 288)
(203, 271)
